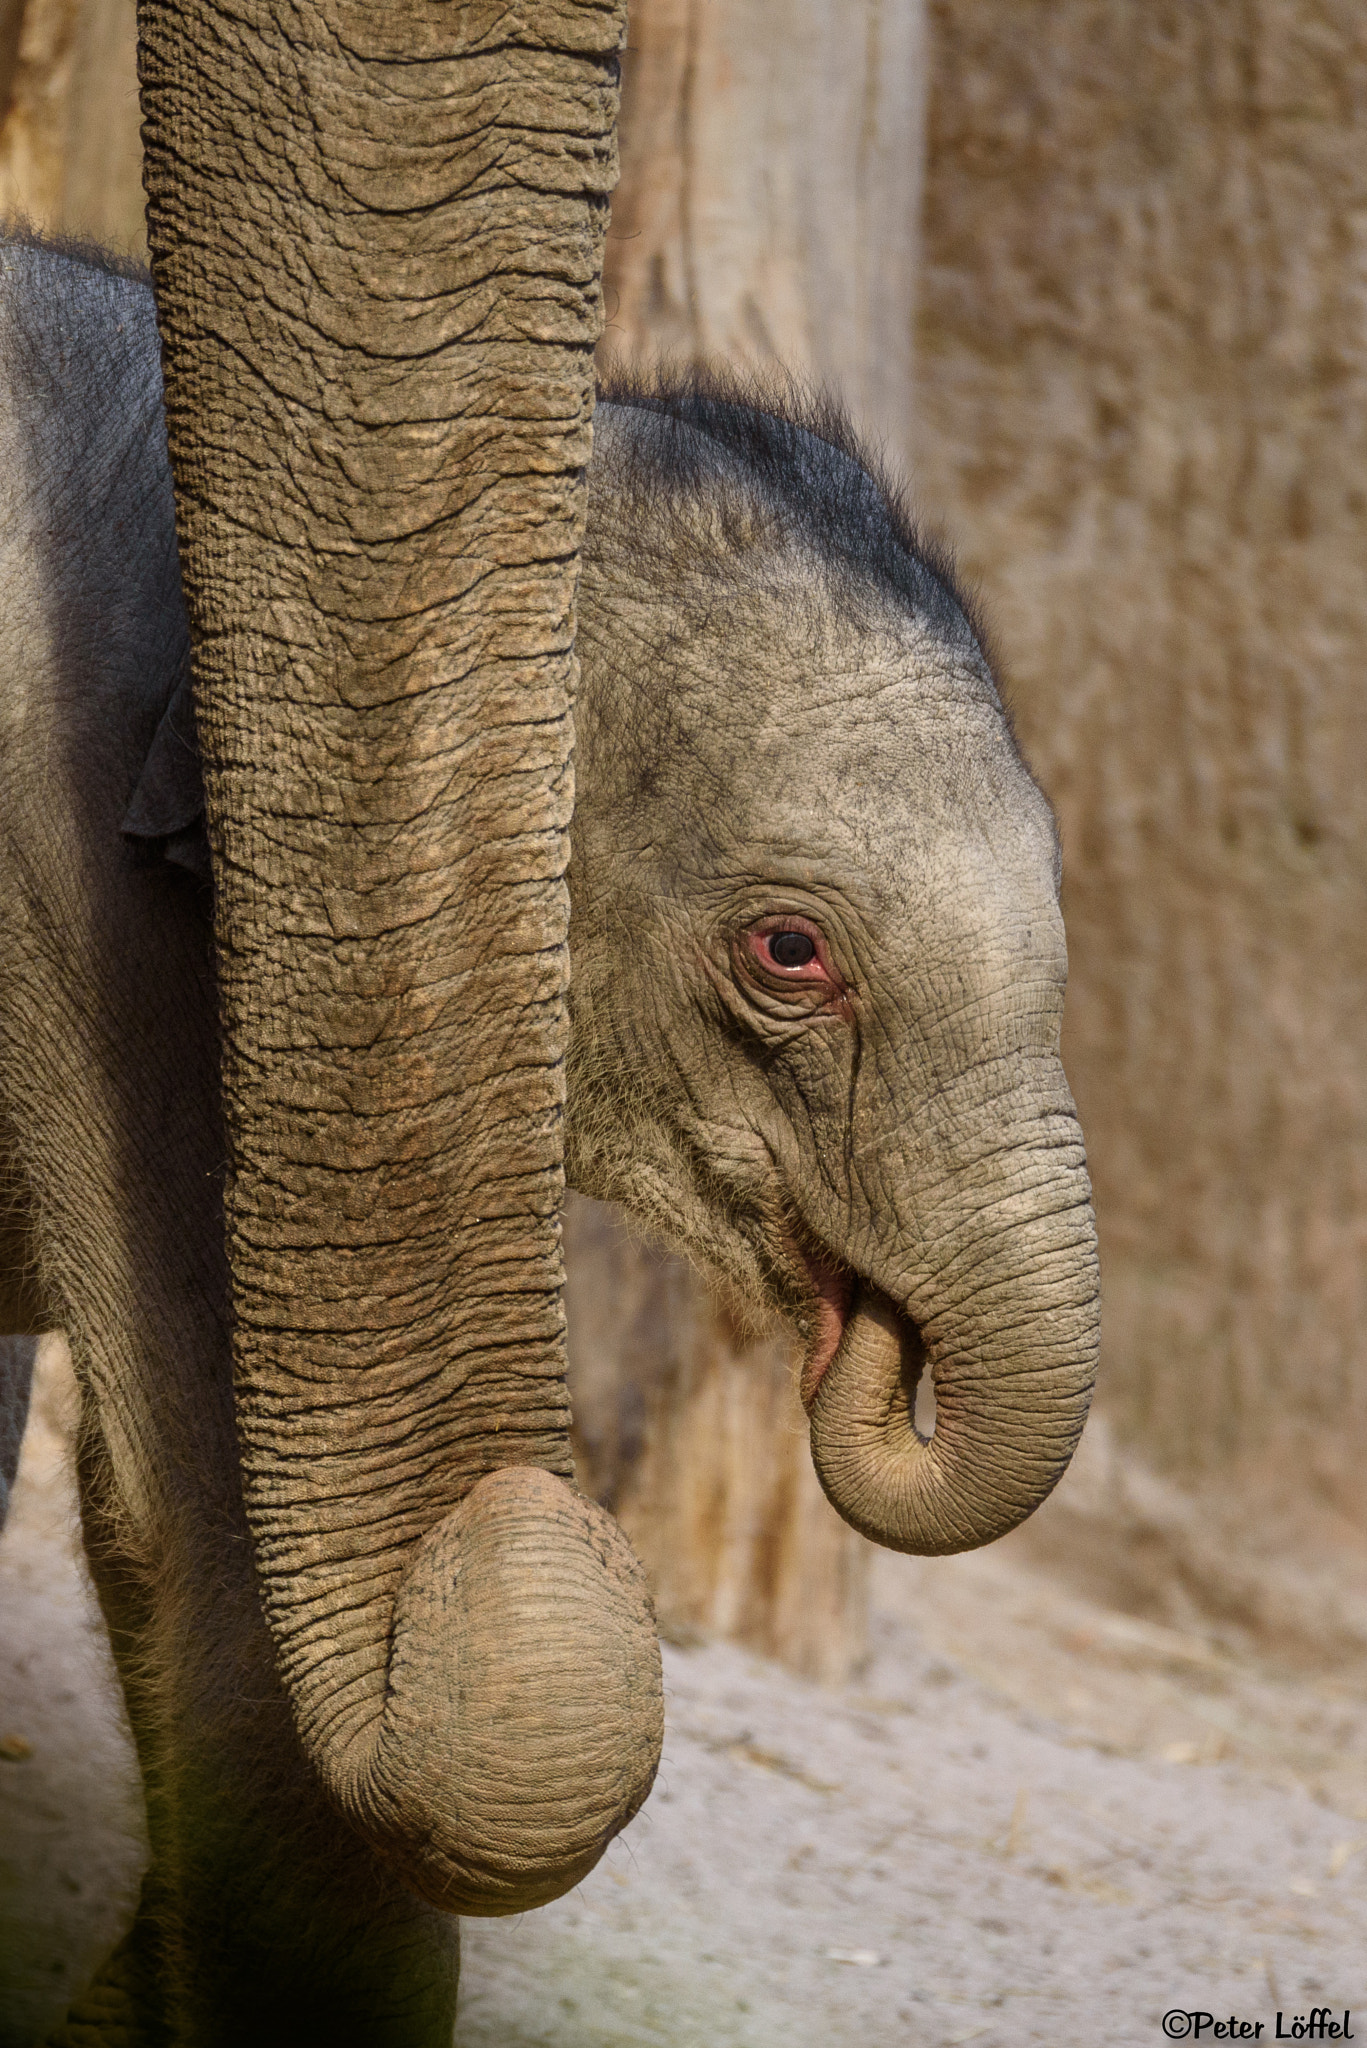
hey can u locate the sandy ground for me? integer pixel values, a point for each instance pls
(1033, 1819)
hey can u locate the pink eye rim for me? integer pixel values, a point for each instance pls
(817, 974)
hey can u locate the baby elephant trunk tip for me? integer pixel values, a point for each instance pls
(525, 1706)
(1001, 1439)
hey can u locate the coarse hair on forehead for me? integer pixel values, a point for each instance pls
(18, 232)
(720, 467)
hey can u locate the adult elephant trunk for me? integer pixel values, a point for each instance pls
(1003, 1311)
(376, 240)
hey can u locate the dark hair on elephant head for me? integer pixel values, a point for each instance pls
(21, 233)
(787, 451)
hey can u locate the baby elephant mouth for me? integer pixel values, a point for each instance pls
(833, 1290)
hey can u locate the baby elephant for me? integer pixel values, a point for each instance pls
(817, 976)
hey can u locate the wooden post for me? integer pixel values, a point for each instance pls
(769, 205)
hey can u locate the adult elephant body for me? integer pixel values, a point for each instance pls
(377, 242)
(382, 1662)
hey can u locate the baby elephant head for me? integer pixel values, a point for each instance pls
(818, 961)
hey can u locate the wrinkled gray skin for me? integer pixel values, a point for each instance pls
(880, 1145)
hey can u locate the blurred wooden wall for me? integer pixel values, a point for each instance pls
(70, 148)
(1143, 412)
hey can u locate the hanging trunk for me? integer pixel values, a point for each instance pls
(376, 241)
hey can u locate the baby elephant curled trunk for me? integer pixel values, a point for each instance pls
(1012, 1355)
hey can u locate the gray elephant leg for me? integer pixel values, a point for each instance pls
(22, 1310)
(16, 1378)
(264, 1917)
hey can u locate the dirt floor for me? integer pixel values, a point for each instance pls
(1034, 1818)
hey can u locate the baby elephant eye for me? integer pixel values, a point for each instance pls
(786, 955)
(790, 949)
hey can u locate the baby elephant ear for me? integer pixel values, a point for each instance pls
(167, 806)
